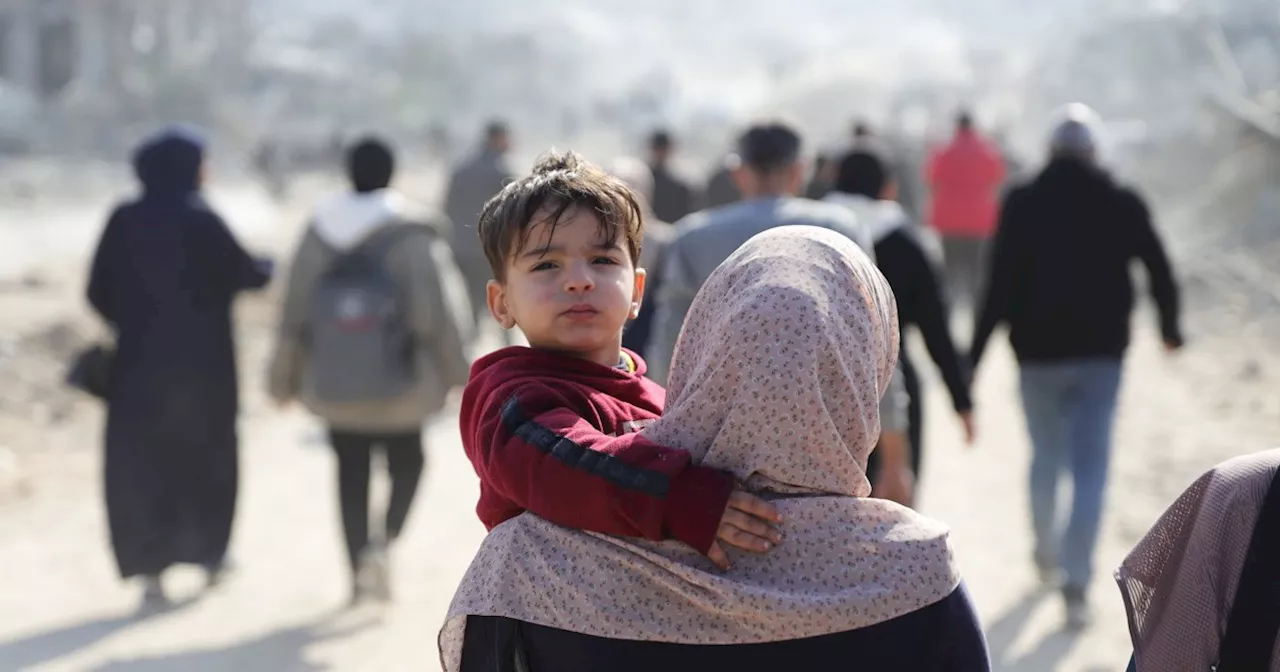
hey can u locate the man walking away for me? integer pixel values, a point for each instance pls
(673, 198)
(964, 178)
(371, 340)
(471, 185)
(769, 176)
(1060, 280)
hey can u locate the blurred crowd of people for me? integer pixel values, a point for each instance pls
(779, 290)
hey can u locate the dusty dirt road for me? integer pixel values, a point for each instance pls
(62, 607)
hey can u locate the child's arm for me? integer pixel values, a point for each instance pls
(536, 450)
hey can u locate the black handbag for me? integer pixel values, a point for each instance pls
(90, 371)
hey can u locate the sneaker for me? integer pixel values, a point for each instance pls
(1049, 573)
(373, 578)
(1050, 576)
(1077, 609)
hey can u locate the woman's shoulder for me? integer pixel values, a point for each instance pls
(904, 524)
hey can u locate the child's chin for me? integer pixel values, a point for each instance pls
(586, 344)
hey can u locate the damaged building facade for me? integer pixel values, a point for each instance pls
(47, 46)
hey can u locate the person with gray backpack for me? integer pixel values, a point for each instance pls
(371, 339)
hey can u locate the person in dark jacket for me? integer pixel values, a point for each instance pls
(673, 198)
(1060, 280)
(164, 276)
(865, 184)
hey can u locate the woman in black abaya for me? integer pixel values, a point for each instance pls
(164, 276)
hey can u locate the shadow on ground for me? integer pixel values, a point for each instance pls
(283, 650)
(21, 654)
(1046, 655)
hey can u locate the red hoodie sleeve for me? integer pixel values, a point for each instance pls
(534, 449)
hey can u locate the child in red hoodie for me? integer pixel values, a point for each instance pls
(551, 428)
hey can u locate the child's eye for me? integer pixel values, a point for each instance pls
(545, 266)
(604, 260)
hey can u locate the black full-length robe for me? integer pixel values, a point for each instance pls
(164, 276)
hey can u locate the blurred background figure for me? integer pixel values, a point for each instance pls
(770, 176)
(657, 236)
(964, 178)
(862, 136)
(164, 276)
(1060, 281)
(471, 185)
(673, 197)
(721, 189)
(371, 339)
(269, 162)
(821, 177)
(866, 186)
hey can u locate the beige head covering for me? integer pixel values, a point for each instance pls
(776, 377)
(1180, 581)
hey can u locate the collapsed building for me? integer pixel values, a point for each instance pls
(97, 62)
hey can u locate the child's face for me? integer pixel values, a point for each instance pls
(573, 293)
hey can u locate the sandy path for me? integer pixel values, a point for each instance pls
(62, 608)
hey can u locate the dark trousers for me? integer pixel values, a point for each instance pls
(942, 636)
(405, 461)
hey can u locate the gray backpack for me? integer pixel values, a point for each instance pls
(360, 345)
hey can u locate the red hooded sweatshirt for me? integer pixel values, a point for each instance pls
(556, 435)
(965, 177)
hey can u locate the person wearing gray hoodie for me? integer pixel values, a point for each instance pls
(416, 259)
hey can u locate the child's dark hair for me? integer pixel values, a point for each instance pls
(560, 182)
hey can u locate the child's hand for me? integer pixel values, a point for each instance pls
(748, 523)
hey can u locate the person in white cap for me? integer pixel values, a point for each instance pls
(1060, 280)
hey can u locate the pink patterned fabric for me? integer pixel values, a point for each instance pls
(1180, 581)
(776, 377)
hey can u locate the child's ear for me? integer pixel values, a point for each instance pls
(496, 295)
(637, 293)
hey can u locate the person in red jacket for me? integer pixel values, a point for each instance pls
(964, 178)
(552, 428)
